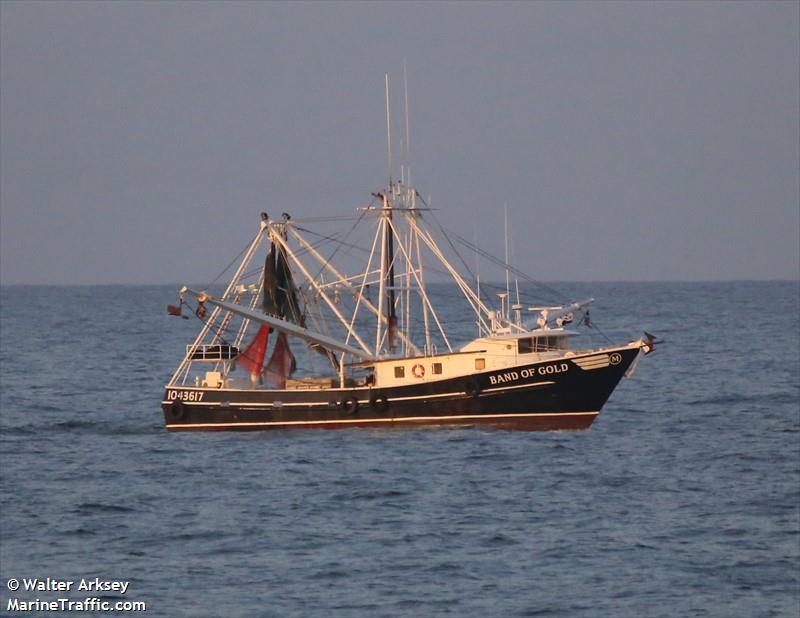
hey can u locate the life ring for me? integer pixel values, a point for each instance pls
(176, 410)
(418, 371)
(378, 402)
(350, 405)
(472, 388)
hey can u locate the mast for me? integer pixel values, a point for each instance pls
(388, 132)
(407, 299)
(408, 133)
(386, 294)
(387, 249)
(508, 287)
(391, 318)
(382, 283)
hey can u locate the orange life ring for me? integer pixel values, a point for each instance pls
(418, 371)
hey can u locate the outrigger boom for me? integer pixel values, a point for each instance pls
(278, 324)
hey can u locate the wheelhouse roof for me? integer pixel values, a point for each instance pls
(539, 332)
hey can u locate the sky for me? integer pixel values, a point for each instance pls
(139, 141)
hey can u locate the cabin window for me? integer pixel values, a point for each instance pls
(543, 344)
(480, 363)
(400, 372)
(436, 368)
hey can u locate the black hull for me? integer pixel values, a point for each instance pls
(551, 395)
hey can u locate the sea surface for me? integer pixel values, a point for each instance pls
(683, 499)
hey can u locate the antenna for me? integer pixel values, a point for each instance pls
(477, 264)
(388, 132)
(408, 134)
(505, 212)
(517, 307)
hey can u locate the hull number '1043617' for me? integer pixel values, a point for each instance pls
(185, 395)
(528, 372)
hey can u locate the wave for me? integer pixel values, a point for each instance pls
(738, 398)
(86, 508)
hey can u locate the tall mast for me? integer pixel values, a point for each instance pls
(382, 283)
(388, 132)
(408, 132)
(386, 289)
(391, 318)
(508, 287)
(387, 250)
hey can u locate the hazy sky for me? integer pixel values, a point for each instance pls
(646, 141)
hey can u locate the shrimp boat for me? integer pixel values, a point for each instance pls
(294, 341)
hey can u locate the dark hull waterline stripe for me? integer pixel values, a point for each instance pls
(402, 419)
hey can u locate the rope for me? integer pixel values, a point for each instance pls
(502, 263)
(224, 270)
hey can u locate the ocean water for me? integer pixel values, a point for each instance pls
(683, 499)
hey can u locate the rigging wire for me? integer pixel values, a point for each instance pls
(302, 251)
(339, 243)
(334, 238)
(450, 242)
(495, 260)
(513, 269)
(232, 262)
(324, 219)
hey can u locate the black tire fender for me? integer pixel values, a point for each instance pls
(378, 402)
(472, 388)
(350, 405)
(176, 410)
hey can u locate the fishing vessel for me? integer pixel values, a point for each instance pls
(300, 338)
